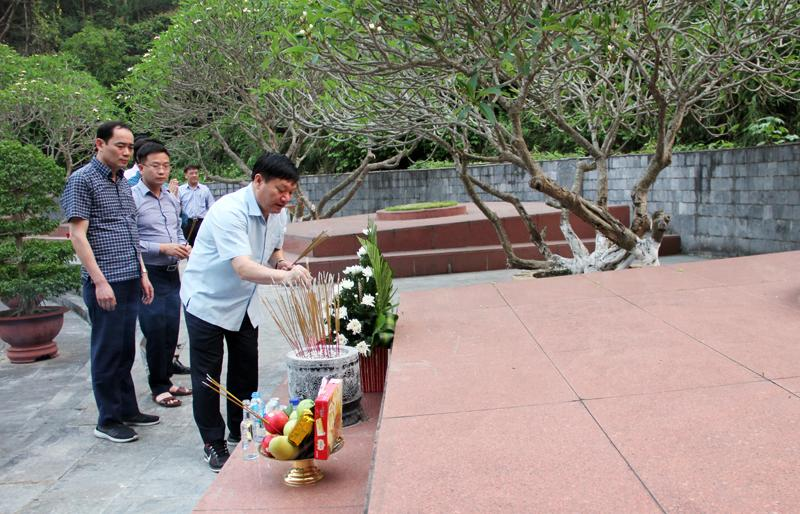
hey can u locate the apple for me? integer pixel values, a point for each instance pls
(265, 443)
(275, 421)
(282, 449)
(289, 426)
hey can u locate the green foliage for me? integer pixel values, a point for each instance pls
(40, 26)
(101, 51)
(50, 104)
(31, 269)
(366, 292)
(427, 165)
(421, 206)
(769, 130)
(24, 209)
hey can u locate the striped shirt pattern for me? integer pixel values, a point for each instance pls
(159, 221)
(90, 194)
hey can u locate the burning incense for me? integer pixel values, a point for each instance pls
(313, 244)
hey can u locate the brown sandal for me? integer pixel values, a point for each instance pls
(167, 401)
(179, 391)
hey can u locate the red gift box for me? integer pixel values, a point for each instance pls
(327, 418)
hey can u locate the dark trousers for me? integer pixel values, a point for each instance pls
(191, 228)
(206, 352)
(113, 349)
(160, 322)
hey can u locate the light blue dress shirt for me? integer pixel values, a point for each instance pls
(195, 202)
(159, 221)
(234, 226)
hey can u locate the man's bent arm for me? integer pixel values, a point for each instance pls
(251, 271)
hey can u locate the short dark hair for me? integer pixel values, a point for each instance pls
(106, 130)
(139, 141)
(275, 165)
(191, 167)
(150, 147)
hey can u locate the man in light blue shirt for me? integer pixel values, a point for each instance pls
(196, 199)
(237, 248)
(162, 245)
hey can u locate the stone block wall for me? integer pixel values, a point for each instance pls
(724, 202)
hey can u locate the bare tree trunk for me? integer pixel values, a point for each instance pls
(7, 18)
(511, 257)
(233, 155)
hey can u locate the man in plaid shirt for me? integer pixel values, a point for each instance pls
(98, 204)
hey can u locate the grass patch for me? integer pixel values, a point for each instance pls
(421, 205)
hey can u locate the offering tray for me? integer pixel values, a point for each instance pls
(304, 471)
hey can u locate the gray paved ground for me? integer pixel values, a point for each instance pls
(51, 462)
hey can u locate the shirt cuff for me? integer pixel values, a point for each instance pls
(151, 249)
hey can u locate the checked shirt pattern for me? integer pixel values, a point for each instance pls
(90, 194)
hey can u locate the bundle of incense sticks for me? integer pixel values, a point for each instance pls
(313, 244)
(220, 390)
(191, 229)
(308, 316)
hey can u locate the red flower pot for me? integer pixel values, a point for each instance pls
(373, 370)
(31, 337)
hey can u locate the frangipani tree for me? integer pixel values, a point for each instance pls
(45, 101)
(213, 78)
(456, 71)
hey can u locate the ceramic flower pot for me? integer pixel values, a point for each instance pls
(306, 374)
(31, 337)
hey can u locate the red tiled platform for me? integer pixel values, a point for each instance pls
(449, 244)
(648, 390)
(672, 389)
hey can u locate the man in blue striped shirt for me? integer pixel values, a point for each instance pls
(196, 199)
(98, 204)
(163, 245)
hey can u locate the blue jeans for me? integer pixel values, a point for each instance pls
(206, 352)
(113, 349)
(160, 322)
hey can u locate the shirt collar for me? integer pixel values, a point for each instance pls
(252, 205)
(103, 169)
(142, 188)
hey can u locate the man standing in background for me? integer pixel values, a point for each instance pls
(162, 245)
(196, 199)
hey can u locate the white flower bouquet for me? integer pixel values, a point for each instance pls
(364, 296)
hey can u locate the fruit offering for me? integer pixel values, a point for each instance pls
(290, 436)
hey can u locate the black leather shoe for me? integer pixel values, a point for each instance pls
(178, 368)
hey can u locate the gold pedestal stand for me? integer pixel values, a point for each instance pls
(305, 471)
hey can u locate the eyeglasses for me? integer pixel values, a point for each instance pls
(158, 165)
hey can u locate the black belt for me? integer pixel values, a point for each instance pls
(195, 219)
(171, 267)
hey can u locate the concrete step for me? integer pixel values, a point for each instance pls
(457, 260)
(470, 229)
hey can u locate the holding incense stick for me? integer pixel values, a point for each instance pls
(239, 245)
(310, 248)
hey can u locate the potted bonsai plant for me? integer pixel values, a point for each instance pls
(31, 269)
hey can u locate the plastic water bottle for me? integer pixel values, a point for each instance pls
(249, 446)
(257, 406)
(272, 404)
